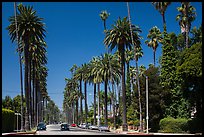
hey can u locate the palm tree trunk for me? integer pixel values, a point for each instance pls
(77, 105)
(187, 32)
(128, 88)
(154, 52)
(164, 22)
(33, 91)
(140, 106)
(104, 23)
(36, 99)
(43, 99)
(21, 75)
(81, 108)
(123, 90)
(94, 103)
(26, 80)
(86, 107)
(98, 104)
(113, 106)
(187, 25)
(105, 102)
(30, 92)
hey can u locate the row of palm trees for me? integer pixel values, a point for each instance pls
(120, 37)
(29, 31)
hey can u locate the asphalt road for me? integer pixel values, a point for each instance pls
(55, 130)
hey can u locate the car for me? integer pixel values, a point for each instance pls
(73, 125)
(80, 125)
(103, 128)
(64, 126)
(93, 127)
(85, 126)
(41, 126)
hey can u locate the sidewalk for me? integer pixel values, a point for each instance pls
(20, 133)
(130, 132)
(133, 132)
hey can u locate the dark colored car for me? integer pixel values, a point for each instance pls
(41, 126)
(64, 126)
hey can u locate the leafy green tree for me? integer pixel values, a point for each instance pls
(17, 103)
(168, 73)
(189, 68)
(7, 103)
(180, 42)
(197, 35)
(155, 93)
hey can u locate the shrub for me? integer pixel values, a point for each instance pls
(171, 125)
(7, 120)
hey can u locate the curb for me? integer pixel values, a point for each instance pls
(21, 133)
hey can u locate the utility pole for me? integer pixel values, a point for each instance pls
(147, 109)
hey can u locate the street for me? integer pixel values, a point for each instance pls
(54, 129)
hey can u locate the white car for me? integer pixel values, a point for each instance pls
(93, 127)
(83, 125)
(103, 128)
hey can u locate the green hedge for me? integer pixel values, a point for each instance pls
(171, 125)
(7, 120)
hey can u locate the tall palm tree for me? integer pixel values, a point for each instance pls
(104, 15)
(97, 78)
(30, 25)
(38, 58)
(119, 36)
(108, 73)
(136, 46)
(142, 69)
(186, 16)
(129, 55)
(85, 77)
(75, 92)
(42, 75)
(78, 75)
(155, 37)
(21, 74)
(161, 7)
(93, 64)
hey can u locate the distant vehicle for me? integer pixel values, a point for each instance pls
(85, 126)
(64, 126)
(73, 125)
(103, 128)
(41, 126)
(93, 127)
(80, 125)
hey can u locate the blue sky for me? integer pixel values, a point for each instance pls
(75, 35)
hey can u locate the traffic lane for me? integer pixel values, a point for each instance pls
(55, 130)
